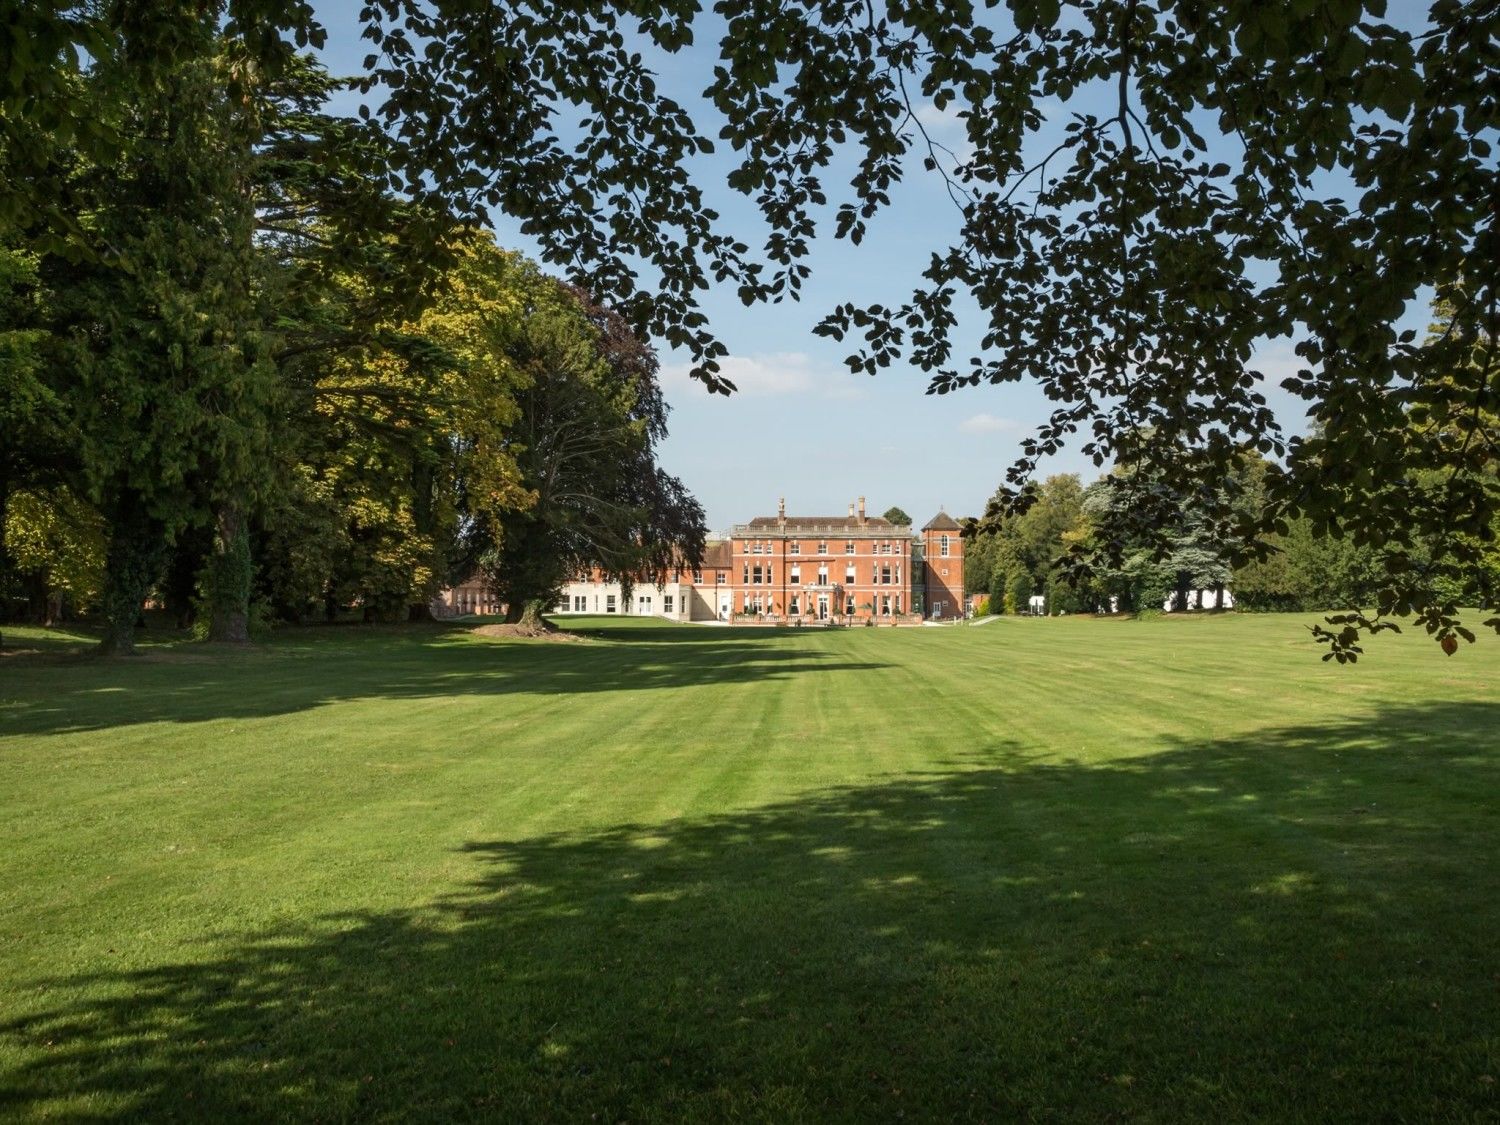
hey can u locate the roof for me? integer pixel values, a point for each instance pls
(821, 523)
(941, 522)
(717, 554)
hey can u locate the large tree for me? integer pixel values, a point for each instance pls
(590, 416)
(34, 445)
(400, 441)
(171, 382)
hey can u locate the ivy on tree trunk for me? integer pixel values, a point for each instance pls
(227, 578)
(133, 561)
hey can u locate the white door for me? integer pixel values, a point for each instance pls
(822, 607)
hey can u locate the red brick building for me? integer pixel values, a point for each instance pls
(777, 569)
(943, 558)
(819, 568)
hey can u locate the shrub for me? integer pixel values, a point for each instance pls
(1063, 598)
(997, 589)
(1018, 592)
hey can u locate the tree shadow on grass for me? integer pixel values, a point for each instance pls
(309, 670)
(1295, 926)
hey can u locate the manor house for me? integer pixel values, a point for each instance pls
(781, 568)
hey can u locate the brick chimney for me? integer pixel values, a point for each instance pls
(861, 509)
(781, 511)
(851, 511)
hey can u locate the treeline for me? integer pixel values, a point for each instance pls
(1131, 567)
(242, 374)
(1141, 551)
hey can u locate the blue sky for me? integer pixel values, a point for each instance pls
(801, 425)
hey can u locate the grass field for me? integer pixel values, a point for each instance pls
(1055, 869)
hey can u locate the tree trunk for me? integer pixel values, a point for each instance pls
(422, 611)
(38, 592)
(531, 617)
(228, 576)
(132, 562)
(4, 555)
(1180, 594)
(185, 567)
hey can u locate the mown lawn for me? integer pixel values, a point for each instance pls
(1053, 869)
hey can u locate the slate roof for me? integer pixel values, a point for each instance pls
(717, 554)
(941, 522)
(822, 523)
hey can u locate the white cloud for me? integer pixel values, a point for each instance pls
(987, 424)
(947, 129)
(929, 115)
(767, 374)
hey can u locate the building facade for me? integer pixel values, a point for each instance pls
(471, 596)
(943, 559)
(700, 593)
(802, 569)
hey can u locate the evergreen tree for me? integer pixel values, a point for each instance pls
(170, 383)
